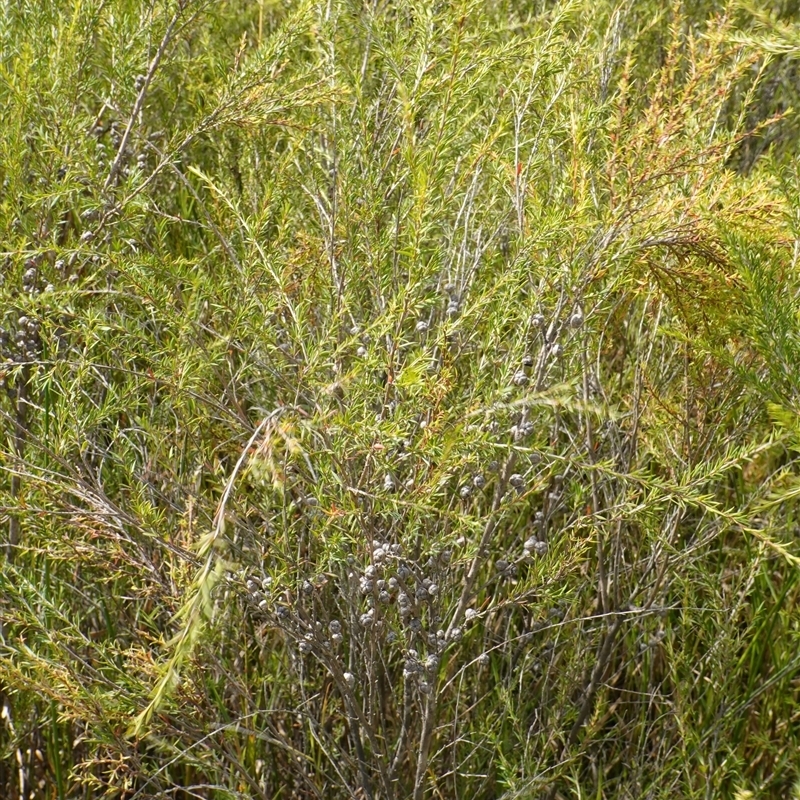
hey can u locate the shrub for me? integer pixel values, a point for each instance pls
(400, 401)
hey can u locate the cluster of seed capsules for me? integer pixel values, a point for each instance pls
(114, 130)
(392, 597)
(20, 338)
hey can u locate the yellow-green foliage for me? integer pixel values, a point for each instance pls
(400, 399)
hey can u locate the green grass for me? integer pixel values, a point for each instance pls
(308, 309)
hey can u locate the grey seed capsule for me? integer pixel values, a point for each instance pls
(540, 548)
(385, 598)
(527, 361)
(465, 492)
(479, 481)
(501, 565)
(526, 428)
(456, 634)
(361, 352)
(305, 647)
(422, 326)
(520, 378)
(483, 659)
(537, 320)
(516, 480)
(424, 687)
(350, 679)
(335, 626)
(576, 320)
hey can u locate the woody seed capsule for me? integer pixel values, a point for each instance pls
(520, 378)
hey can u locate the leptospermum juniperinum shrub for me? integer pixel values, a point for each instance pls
(399, 402)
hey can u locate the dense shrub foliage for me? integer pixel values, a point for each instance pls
(400, 400)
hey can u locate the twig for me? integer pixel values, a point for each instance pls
(140, 98)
